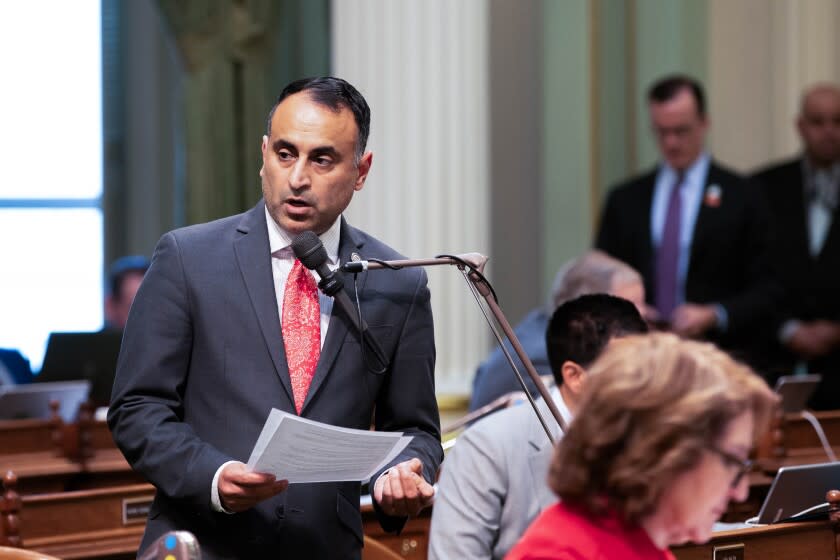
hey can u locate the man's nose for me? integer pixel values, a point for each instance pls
(299, 175)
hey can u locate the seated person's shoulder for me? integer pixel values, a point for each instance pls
(15, 368)
(505, 425)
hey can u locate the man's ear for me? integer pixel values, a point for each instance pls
(574, 376)
(364, 169)
(263, 148)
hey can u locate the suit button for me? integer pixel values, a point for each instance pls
(280, 512)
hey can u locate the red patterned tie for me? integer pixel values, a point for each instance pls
(301, 327)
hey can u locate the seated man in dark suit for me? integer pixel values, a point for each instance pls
(803, 195)
(697, 232)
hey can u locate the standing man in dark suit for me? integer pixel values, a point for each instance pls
(803, 194)
(228, 325)
(696, 231)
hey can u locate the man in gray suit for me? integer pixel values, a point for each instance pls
(493, 482)
(228, 325)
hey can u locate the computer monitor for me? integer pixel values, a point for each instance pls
(91, 356)
(32, 400)
(795, 390)
(799, 492)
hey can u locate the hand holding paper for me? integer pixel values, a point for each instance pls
(300, 450)
(241, 489)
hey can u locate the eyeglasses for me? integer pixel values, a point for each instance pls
(730, 460)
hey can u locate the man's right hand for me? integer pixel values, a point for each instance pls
(241, 489)
(815, 339)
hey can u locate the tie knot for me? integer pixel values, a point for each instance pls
(300, 273)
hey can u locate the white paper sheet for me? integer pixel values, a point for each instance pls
(300, 450)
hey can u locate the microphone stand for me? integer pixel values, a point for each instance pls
(473, 273)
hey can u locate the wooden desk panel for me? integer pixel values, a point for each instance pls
(27, 436)
(786, 541)
(412, 542)
(84, 524)
(798, 432)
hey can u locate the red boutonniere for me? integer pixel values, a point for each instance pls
(712, 196)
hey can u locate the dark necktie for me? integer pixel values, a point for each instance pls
(301, 326)
(668, 256)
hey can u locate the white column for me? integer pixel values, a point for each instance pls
(422, 66)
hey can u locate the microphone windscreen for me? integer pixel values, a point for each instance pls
(309, 250)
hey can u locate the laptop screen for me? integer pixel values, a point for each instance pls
(795, 390)
(32, 400)
(798, 488)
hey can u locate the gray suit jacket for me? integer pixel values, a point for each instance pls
(492, 485)
(202, 363)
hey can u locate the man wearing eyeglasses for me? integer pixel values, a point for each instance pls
(696, 231)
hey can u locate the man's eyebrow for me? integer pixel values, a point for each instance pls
(324, 151)
(280, 143)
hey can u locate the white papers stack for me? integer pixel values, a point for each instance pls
(300, 450)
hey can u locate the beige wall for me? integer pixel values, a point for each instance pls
(762, 54)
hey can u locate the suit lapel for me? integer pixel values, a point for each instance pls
(793, 195)
(643, 215)
(832, 238)
(253, 256)
(339, 325)
(704, 214)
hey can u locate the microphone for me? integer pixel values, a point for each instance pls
(310, 251)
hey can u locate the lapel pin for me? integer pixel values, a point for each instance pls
(355, 257)
(713, 196)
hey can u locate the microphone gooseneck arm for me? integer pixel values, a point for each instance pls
(472, 266)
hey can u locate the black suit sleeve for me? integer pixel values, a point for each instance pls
(146, 415)
(407, 401)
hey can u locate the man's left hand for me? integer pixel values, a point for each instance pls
(402, 490)
(692, 320)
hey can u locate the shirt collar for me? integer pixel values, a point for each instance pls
(562, 408)
(280, 241)
(695, 173)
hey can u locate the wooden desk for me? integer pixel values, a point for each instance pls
(102, 523)
(53, 456)
(786, 541)
(793, 441)
(412, 542)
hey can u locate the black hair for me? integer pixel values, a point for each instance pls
(580, 329)
(668, 87)
(335, 94)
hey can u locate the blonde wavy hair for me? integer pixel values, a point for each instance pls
(652, 405)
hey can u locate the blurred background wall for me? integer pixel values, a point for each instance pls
(498, 125)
